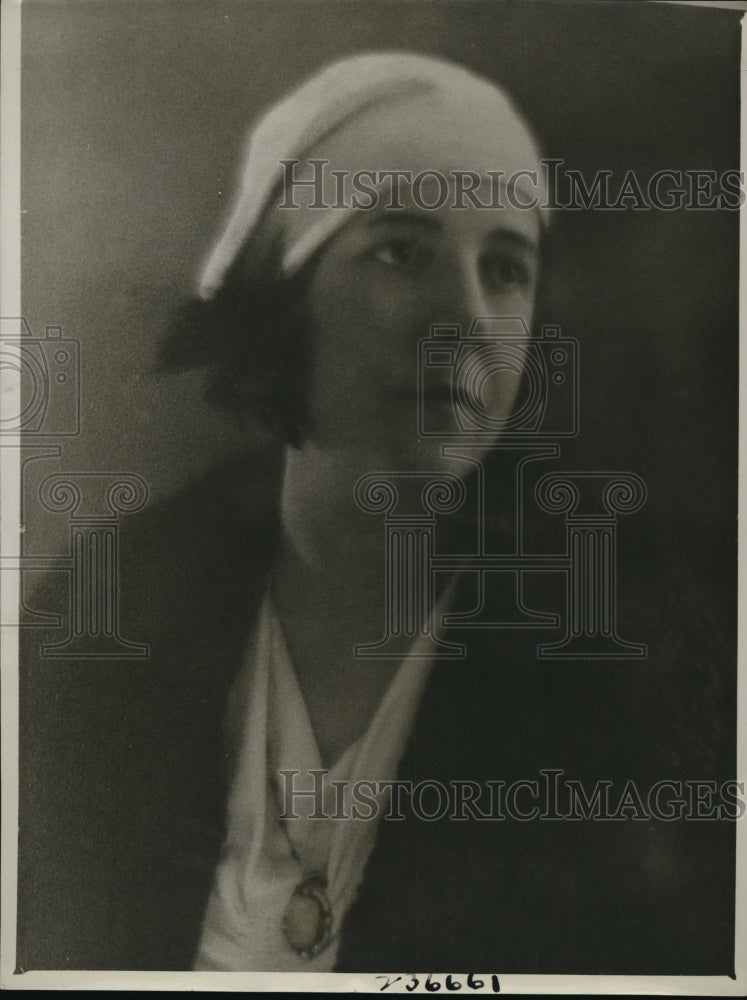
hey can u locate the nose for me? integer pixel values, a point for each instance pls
(488, 372)
(460, 296)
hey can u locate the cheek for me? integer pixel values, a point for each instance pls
(491, 381)
(348, 359)
(519, 302)
(365, 323)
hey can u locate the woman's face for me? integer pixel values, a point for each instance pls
(379, 286)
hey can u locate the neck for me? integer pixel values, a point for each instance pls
(332, 553)
(320, 518)
(329, 591)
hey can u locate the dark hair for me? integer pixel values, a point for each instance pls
(254, 336)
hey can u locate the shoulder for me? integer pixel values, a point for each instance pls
(193, 565)
(177, 563)
(121, 716)
(163, 624)
(230, 511)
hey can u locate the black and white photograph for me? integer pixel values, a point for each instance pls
(370, 451)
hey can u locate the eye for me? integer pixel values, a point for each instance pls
(402, 253)
(505, 271)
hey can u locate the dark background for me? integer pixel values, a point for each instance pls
(134, 115)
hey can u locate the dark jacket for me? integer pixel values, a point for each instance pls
(123, 771)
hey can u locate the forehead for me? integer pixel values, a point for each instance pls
(470, 210)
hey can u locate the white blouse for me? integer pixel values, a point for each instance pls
(264, 858)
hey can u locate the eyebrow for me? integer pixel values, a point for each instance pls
(403, 217)
(399, 217)
(519, 240)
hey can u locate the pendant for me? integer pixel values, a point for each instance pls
(307, 923)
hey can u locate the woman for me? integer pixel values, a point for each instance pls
(375, 280)
(173, 853)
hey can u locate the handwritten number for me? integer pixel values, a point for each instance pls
(433, 985)
(389, 982)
